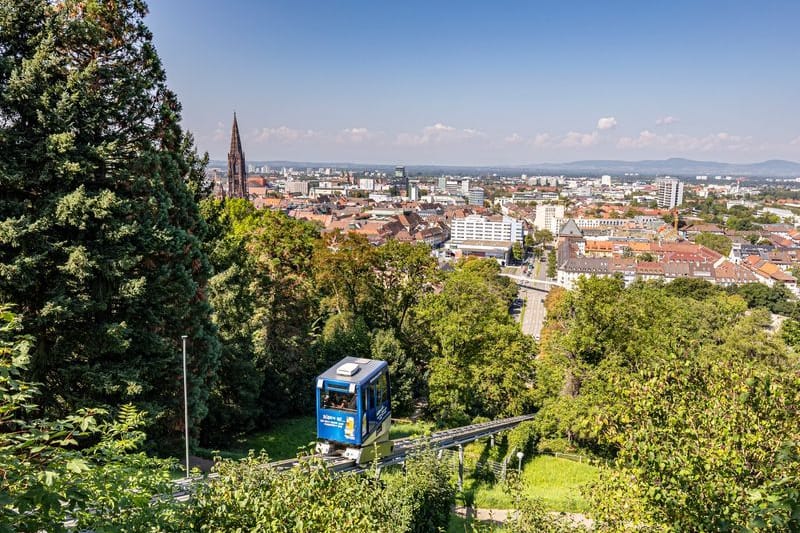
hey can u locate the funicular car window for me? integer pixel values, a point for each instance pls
(332, 399)
(382, 390)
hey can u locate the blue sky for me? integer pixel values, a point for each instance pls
(491, 82)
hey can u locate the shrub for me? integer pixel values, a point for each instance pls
(523, 437)
(421, 500)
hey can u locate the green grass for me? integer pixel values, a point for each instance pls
(402, 428)
(556, 482)
(283, 440)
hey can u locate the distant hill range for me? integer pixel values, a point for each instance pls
(681, 167)
(655, 167)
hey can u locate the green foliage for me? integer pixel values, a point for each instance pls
(516, 251)
(265, 307)
(777, 298)
(99, 232)
(717, 448)
(691, 394)
(524, 437)
(481, 361)
(250, 496)
(421, 500)
(309, 498)
(542, 236)
(83, 467)
(404, 375)
(552, 265)
(718, 243)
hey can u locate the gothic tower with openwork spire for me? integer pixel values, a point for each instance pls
(237, 172)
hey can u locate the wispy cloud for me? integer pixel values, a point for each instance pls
(514, 138)
(357, 135)
(282, 134)
(795, 141)
(437, 134)
(666, 121)
(688, 143)
(574, 138)
(606, 123)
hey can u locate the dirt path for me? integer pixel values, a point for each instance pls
(499, 516)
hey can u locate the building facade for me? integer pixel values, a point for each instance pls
(476, 196)
(670, 193)
(548, 216)
(480, 228)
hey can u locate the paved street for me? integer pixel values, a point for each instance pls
(534, 304)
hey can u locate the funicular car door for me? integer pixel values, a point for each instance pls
(370, 408)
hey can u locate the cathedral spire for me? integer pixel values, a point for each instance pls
(237, 173)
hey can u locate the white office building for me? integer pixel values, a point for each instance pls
(476, 196)
(366, 184)
(479, 228)
(670, 193)
(548, 217)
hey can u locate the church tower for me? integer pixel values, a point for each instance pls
(237, 172)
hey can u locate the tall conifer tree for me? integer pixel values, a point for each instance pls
(99, 234)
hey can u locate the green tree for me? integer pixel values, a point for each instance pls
(100, 240)
(84, 467)
(481, 362)
(542, 236)
(552, 266)
(406, 379)
(718, 243)
(265, 306)
(516, 251)
(717, 448)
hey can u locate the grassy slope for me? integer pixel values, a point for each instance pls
(556, 482)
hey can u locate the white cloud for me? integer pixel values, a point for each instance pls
(514, 138)
(282, 134)
(688, 143)
(542, 139)
(666, 121)
(436, 134)
(356, 135)
(575, 138)
(606, 123)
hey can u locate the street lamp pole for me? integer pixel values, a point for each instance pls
(185, 405)
(520, 455)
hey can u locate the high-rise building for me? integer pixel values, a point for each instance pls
(465, 186)
(413, 193)
(547, 217)
(237, 176)
(670, 193)
(476, 196)
(400, 178)
(442, 183)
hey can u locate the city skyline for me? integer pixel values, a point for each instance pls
(485, 84)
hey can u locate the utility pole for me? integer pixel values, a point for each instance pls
(185, 405)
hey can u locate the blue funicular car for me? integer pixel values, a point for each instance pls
(354, 409)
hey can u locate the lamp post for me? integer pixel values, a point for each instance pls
(185, 405)
(520, 455)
